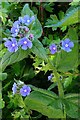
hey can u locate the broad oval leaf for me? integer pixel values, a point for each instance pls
(10, 58)
(43, 104)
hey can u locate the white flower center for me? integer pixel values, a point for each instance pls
(66, 45)
(13, 45)
(25, 90)
(28, 21)
(54, 48)
(16, 30)
(25, 42)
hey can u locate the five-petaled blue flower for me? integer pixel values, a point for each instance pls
(67, 45)
(25, 43)
(14, 88)
(14, 31)
(25, 90)
(50, 77)
(53, 48)
(15, 28)
(28, 20)
(11, 45)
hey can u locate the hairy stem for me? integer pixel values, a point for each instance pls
(60, 88)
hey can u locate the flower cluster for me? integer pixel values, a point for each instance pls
(24, 90)
(20, 34)
(66, 45)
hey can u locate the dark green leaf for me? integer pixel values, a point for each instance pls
(10, 58)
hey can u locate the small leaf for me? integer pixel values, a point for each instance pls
(67, 81)
(3, 76)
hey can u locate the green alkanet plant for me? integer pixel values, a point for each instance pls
(28, 63)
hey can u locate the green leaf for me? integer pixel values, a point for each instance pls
(10, 58)
(41, 103)
(19, 100)
(75, 2)
(46, 92)
(39, 50)
(71, 109)
(52, 86)
(73, 97)
(70, 18)
(2, 104)
(26, 11)
(3, 76)
(36, 29)
(67, 81)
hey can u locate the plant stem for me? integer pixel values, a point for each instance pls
(60, 88)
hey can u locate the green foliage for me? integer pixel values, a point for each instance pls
(70, 18)
(48, 6)
(33, 66)
(39, 50)
(10, 58)
(43, 104)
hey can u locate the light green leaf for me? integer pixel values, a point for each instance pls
(70, 18)
(71, 109)
(10, 58)
(67, 81)
(3, 76)
(39, 50)
(46, 92)
(43, 104)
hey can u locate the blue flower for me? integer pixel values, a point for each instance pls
(25, 43)
(14, 31)
(16, 24)
(21, 20)
(28, 20)
(50, 77)
(53, 48)
(25, 90)
(11, 45)
(67, 45)
(14, 88)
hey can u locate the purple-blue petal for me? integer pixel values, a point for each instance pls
(71, 44)
(7, 43)
(29, 44)
(66, 41)
(24, 47)
(14, 88)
